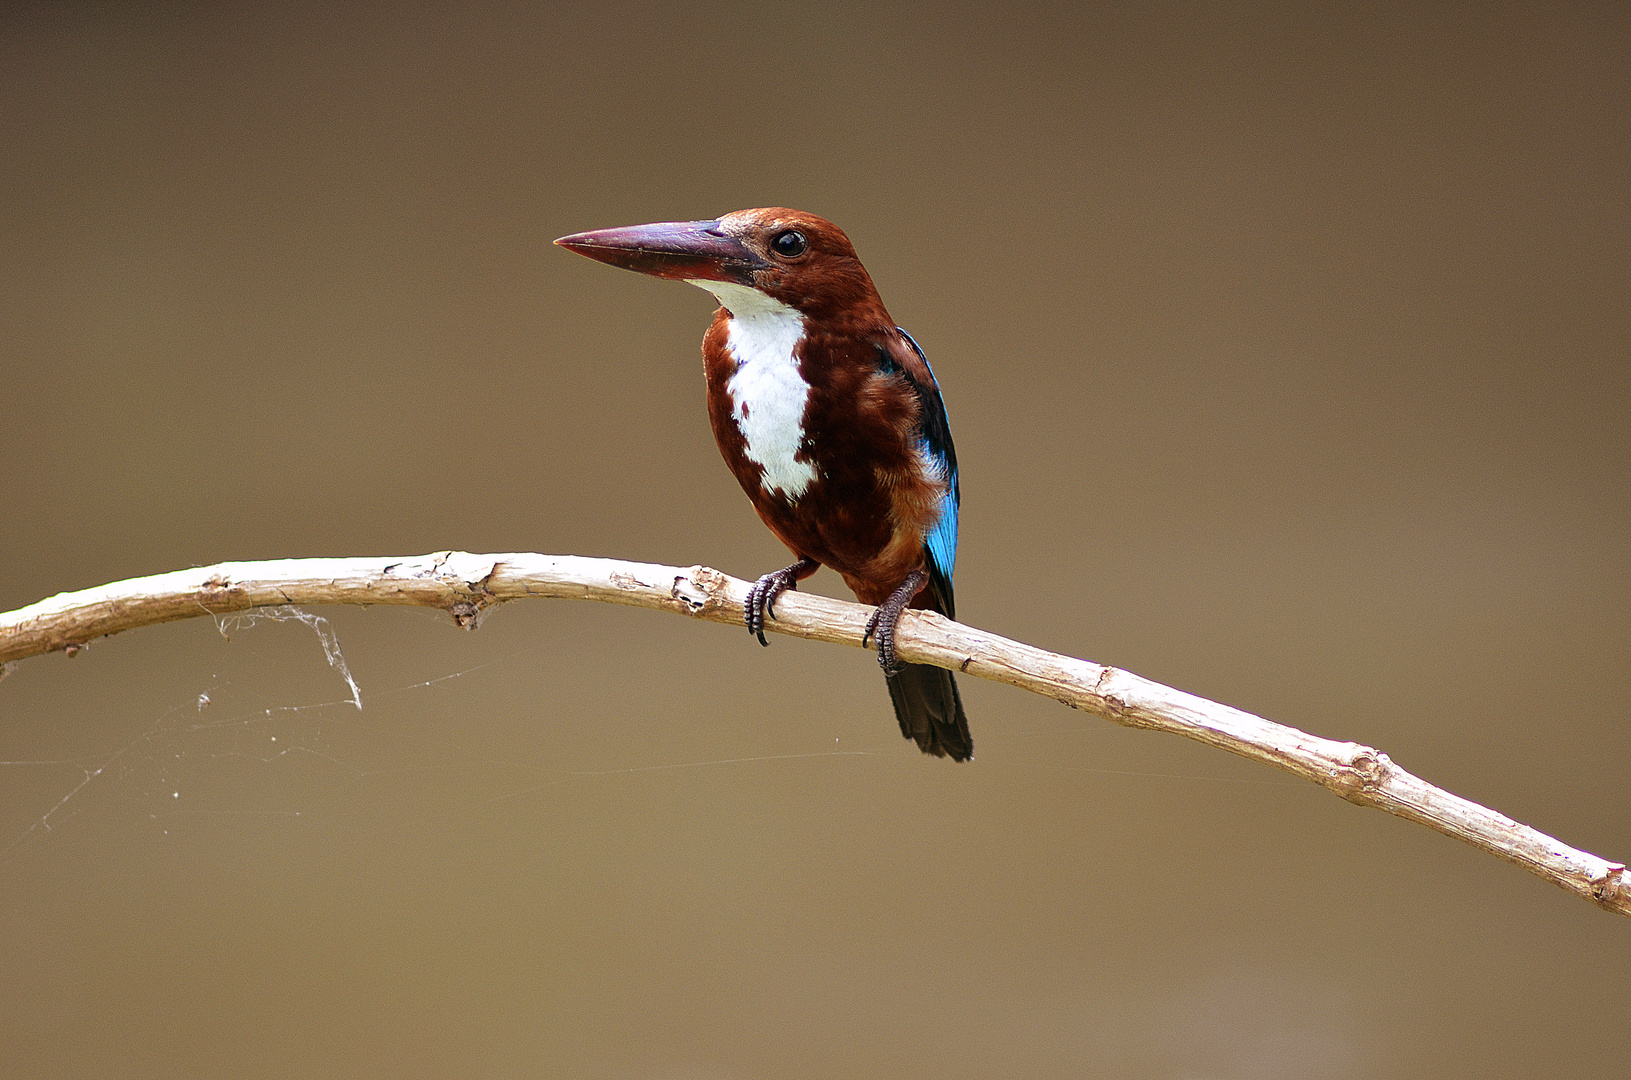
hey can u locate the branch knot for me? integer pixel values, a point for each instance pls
(701, 589)
(1611, 887)
(1361, 776)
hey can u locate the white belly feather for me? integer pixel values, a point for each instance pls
(768, 394)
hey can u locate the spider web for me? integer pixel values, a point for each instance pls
(259, 720)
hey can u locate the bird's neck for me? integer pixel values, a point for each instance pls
(764, 382)
(746, 302)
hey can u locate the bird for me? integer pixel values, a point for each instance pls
(831, 420)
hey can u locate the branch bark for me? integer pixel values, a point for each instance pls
(465, 585)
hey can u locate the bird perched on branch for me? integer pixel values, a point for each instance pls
(831, 419)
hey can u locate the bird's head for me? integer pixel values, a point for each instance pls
(789, 256)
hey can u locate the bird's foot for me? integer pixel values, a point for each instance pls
(887, 617)
(761, 599)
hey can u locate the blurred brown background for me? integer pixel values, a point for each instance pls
(1286, 353)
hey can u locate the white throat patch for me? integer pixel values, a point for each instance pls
(768, 394)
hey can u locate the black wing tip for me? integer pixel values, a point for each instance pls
(940, 587)
(930, 711)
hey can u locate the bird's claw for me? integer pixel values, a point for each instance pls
(761, 599)
(885, 633)
(883, 622)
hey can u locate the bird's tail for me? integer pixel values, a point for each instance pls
(931, 711)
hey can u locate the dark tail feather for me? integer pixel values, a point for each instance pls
(931, 711)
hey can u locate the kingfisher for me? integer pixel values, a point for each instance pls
(831, 420)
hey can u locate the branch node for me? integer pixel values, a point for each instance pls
(1358, 780)
(1611, 887)
(701, 590)
(1115, 708)
(218, 591)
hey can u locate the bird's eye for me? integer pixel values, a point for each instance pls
(790, 244)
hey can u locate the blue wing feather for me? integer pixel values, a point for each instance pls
(934, 435)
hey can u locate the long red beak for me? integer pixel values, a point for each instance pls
(680, 250)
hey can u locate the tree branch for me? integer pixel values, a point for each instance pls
(465, 585)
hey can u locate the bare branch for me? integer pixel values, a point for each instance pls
(465, 585)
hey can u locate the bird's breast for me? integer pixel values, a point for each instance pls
(769, 394)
